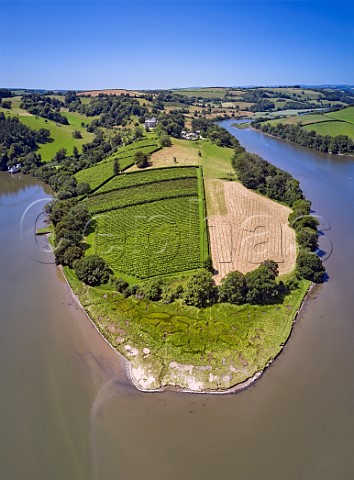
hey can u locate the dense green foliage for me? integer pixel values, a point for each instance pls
(261, 284)
(44, 106)
(5, 93)
(218, 135)
(296, 133)
(233, 288)
(71, 221)
(170, 124)
(92, 270)
(113, 110)
(141, 159)
(258, 174)
(201, 290)
(18, 143)
(309, 266)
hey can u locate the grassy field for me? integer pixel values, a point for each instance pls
(207, 93)
(220, 346)
(333, 129)
(76, 119)
(61, 134)
(304, 119)
(346, 115)
(216, 161)
(340, 122)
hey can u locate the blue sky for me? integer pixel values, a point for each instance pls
(165, 44)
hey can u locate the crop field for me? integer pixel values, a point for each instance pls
(208, 93)
(96, 175)
(301, 93)
(333, 129)
(253, 230)
(114, 91)
(141, 194)
(103, 171)
(304, 119)
(157, 238)
(145, 177)
(216, 161)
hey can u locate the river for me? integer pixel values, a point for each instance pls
(68, 411)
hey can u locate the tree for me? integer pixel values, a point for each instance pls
(307, 237)
(233, 288)
(70, 96)
(77, 134)
(76, 153)
(71, 254)
(153, 290)
(116, 167)
(83, 188)
(121, 285)
(92, 270)
(165, 141)
(200, 290)
(141, 159)
(5, 104)
(261, 285)
(300, 208)
(309, 266)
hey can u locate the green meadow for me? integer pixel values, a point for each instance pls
(222, 338)
(340, 122)
(61, 135)
(333, 129)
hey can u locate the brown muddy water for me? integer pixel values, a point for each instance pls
(69, 412)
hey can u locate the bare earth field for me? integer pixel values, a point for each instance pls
(95, 93)
(252, 229)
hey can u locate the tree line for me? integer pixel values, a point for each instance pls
(308, 138)
(216, 134)
(44, 106)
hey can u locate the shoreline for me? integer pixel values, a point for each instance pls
(299, 145)
(175, 388)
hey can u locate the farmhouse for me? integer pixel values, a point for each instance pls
(190, 135)
(151, 122)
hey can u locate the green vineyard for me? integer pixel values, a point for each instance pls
(157, 238)
(103, 171)
(145, 177)
(142, 194)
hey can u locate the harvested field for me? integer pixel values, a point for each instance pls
(254, 229)
(114, 91)
(185, 152)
